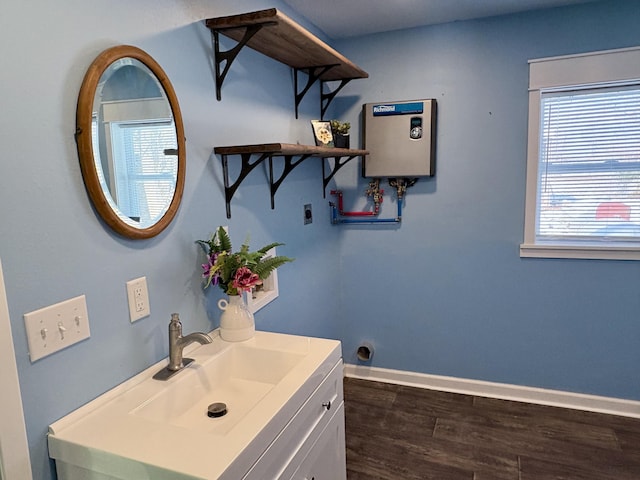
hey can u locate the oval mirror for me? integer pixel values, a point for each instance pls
(131, 142)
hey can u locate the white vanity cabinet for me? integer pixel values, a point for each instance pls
(285, 418)
(313, 441)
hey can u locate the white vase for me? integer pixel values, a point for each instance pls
(236, 321)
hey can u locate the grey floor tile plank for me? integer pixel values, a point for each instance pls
(399, 432)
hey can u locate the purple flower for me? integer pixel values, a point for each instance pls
(206, 270)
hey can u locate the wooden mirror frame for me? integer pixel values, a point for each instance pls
(85, 144)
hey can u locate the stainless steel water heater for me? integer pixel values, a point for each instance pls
(400, 137)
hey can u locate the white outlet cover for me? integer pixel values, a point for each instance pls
(55, 327)
(138, 296)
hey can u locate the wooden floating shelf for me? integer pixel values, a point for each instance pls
(290, 149)
(293, 154)
(287, 42)
(275, 35)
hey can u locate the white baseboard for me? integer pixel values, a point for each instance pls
(503, 391)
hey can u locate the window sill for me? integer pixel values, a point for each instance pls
(592, 252)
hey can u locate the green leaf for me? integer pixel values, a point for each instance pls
(266, 248)
(264, 268)
(224, 241)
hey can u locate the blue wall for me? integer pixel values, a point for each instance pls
(445, 293)
(54, 247)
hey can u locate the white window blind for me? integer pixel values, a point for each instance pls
(146, 170)
(589, 167)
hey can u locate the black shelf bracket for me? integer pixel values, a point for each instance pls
(290, 162)
(246, 168)
(338, 163)
(313, 75)
(228, 56)
(327, 98)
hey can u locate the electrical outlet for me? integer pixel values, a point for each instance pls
(138, 299)
(56, 327)
(308, 214)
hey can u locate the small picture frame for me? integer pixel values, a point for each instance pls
(322, 133)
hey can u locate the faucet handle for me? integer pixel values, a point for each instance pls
(175, 326)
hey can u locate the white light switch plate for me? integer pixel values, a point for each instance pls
(56, 327)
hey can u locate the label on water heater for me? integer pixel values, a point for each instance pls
(397, 109)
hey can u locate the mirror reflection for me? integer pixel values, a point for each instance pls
(131, 142)
(135, 144)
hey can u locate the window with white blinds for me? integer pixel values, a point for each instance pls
(589, 168)
(583, 167)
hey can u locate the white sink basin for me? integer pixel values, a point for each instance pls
(239, 377)
(150, 429)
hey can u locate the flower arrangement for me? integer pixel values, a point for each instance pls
(236, 272)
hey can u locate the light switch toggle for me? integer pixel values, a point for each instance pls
(61, 329)
(43, 333)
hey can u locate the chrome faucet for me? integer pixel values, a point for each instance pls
(177, 343)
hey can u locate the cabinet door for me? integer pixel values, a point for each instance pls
(291, 446)
(327, 458)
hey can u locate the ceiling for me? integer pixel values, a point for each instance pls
(348, 18)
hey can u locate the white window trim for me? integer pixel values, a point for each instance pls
(547, 74)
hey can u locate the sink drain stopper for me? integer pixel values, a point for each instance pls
(217, 409)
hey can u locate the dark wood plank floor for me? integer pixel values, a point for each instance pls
(403, 433)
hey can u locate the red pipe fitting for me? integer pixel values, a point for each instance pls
(338, 193)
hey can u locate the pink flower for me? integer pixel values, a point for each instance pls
(245, 279)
